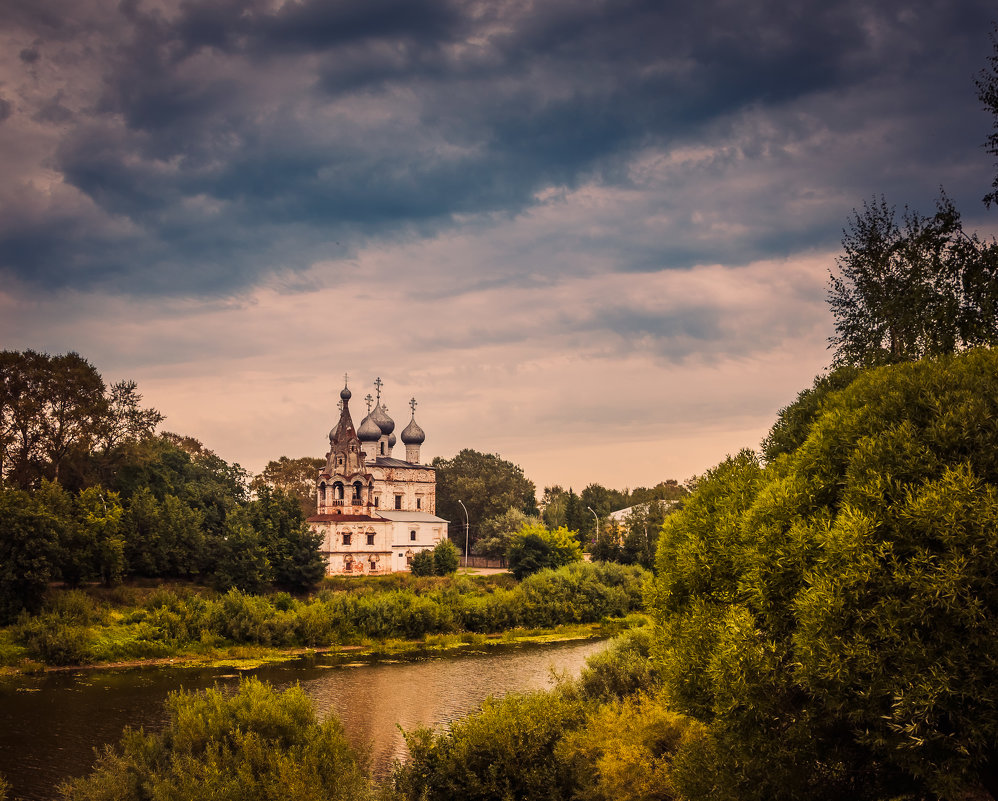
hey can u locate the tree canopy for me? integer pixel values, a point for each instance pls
(486, 483)
(919, 288)
(831, 616)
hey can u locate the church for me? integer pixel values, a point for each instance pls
(374, 512)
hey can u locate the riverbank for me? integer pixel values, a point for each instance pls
(183, 625)
(249, 657)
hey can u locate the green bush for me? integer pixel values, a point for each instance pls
(445, 558)
(423, 564)
(255, 744)
(535, 547)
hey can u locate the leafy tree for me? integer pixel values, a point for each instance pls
(255, 745)
(445, 558)
(125, 420)
(535, 548)
(423, 564)
(292, 548)
(162, 538)
(487, 484)
(987, 93)
(296, 477)
(830, 617)
(495, 533)
(240, 556)
(29, 548)
(912, 290)
(577, 517)
(99, 516)
(553, 506)
(49, 406)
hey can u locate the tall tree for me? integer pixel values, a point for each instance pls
(907, 290)
(296, 477)
(987, 93)
(487, 484)
(291, 547)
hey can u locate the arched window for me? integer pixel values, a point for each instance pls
(338, 491)
(322, 493)
(357, 489)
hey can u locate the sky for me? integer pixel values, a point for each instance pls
(592, 236)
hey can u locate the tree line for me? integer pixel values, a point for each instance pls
(90, 492)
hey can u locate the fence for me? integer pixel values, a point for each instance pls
(482, 561)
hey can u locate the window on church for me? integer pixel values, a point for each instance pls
(370, 539)
(377, 500)
(346, 539)
(412, 535)
(419, 503)
(398, 501)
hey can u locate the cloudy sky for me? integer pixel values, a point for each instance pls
(592, 236)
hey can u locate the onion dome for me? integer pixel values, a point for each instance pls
(385, 423)
(412, 434)
(391, 441)
(369, 431)
(345, 393)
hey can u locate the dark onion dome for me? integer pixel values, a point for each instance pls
(385, 423)
(369, 431)
(391, 441)
(412, 434)
(345, 393)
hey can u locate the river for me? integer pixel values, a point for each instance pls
(51, 724)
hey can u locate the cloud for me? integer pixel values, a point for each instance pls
(234, 140)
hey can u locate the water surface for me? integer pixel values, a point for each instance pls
(51, 724)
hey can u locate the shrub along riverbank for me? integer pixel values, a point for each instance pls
(79, 627)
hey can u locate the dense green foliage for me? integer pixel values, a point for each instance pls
(294, 477)
(487, 484)
(831, 617)
(907, 291)
(258, 744)
(72, 628)
(600, 738)
(536, 547)
(445, 558)
(496, 533)
(442, 560)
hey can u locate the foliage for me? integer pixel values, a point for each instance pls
(831, 617)
(241, 556)
(29, 546)
(256, 744)
(445, 558)
(292, 549)
(423, 564)
(506, 751)
(793, 423)
(495, 533)
(72, 629)
(295, 477)
(487, 484)
(580, 740)
(987, 92)
(535, 547)
(624, 669)
(919, 289)
(624, 751)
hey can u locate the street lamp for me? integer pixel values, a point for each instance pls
(465, 532)
(596, 530)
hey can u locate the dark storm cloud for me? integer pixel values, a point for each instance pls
(228, 139)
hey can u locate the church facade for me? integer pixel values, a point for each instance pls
(374, 512)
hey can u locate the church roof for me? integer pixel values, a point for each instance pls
(410, 517)
(391, 461)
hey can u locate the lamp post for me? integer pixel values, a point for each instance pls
(595, 530)
(465, 532)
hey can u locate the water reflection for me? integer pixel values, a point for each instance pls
(49, 725)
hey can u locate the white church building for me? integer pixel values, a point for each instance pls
(374, 512)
